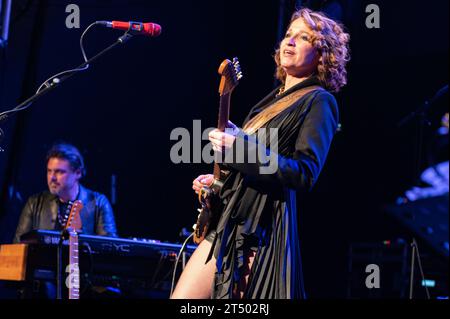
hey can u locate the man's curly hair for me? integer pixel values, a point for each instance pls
(331, 43)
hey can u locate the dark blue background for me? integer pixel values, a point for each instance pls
(121, 111)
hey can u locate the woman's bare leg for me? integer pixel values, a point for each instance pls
(197, 277)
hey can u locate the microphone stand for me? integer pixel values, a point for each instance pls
(57, 81)
(421, 113)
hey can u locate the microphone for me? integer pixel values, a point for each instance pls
(135, 28)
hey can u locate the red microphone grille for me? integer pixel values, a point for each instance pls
(152, 29)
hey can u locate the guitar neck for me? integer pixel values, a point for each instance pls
(74, 270)
(224, 116)
(224, 112)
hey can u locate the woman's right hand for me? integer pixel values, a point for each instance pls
(202, 180)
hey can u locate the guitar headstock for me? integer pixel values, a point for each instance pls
(74, 219)
(231, 73)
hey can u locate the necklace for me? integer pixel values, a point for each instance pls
(280, 91)
(63, 218)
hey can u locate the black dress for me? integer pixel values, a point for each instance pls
(259, 211)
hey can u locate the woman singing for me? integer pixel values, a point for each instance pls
(253, 251)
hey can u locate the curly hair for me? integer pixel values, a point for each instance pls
(331, 42)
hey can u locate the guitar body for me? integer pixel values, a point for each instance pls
(230, 75)
(205, 215)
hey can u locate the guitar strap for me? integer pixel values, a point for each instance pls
(260, 119)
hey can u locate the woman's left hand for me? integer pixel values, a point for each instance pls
(223, 140)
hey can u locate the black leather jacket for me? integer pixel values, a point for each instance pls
(41, 212)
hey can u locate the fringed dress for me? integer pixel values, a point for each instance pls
(258, 211)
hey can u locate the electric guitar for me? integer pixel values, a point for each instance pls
(72, 227)
(230, 72)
